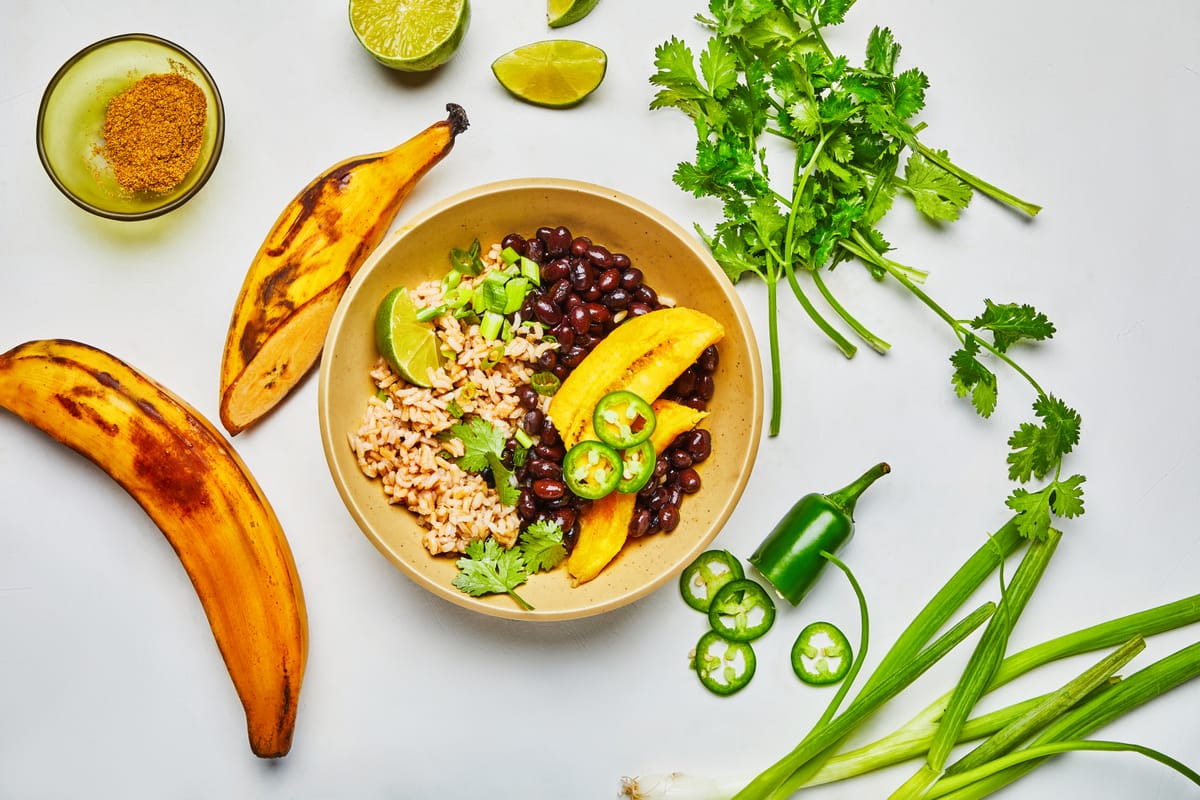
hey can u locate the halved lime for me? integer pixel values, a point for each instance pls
(564, 12)
(410, 35)
(409, 347)
(555, 73)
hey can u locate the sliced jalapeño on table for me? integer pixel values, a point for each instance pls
(724, 666)
(821, 654)
(741, 610)
(708, 572)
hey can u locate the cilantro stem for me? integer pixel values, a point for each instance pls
(776, 377)
(863, 249)
(512, 593)
(874, 342)
(847, 347)
(995, 192)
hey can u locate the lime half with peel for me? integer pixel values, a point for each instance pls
(410, 347)
(556, 73)
(410, 35)
(564, 12)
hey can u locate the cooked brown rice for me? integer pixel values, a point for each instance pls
(398, 442)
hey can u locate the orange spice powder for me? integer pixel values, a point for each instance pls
(153, 132)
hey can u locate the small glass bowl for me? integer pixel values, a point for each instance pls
(70, 124)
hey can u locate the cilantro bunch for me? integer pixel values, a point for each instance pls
(767, 75)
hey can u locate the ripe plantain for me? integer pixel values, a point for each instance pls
(192, 484)
(307, 260)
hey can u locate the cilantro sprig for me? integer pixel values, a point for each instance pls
(767, 76)
(483, 449)
(487, 567)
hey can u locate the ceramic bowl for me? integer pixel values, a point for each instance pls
(675, 262)
(70, 124)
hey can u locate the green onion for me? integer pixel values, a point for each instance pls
(545, 383)
(430, 313)
(509, 255)
(523, 438)
(531, 270)
(490, 324)
(451, 280)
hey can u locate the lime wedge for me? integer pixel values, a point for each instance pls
(564, 12)
(410, 35)
(409, 347)
(555, 73)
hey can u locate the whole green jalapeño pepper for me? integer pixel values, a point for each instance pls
(790, 557)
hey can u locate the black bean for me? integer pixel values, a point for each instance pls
(527, 505)
(659, 498)
(638, 308)
(526, 396)
(564, 334)
(548, 359)
(516, 241)
(689, 481)
(559, 241)
(632, 278)
(561, 371)
(621, 261)
(705, 386)
(668, 518)
(598, 314)
(699, 444)
(549, 452)
(563, 517)
(535, 250)
(573, 356)
(547, 311)
(590, 294)
(679, 459)
(550, 433)
(580, 245)
(608, 280)
(644, 294)
(709, 359)
(556, 269)
(618, 299)
(685, 384)
(533, 419)
(579, 319)
(541, 468)
(549, 488)
(640, 524)
(581, 274)
(674, 496)
(662, 465)
(698, 403)
(599, 255)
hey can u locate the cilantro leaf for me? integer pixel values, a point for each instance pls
(936, 193)
(719, 68)
(1035, 510)
(972, 378)
(1010, 323)
(488, 568)
(542, 545)
(676, 75)
(1038, 449)
(882, 52)
(483, 448)
(909, 93)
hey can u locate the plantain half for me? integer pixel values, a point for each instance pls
(197, 490)
(305, 264)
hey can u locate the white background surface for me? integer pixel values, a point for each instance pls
(110, 685)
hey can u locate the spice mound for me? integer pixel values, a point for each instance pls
(153, 132)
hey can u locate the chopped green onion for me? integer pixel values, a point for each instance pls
(489, 325)
(430, 313)
(531, 270)
(514, 292)
(454, 409)
(523, 438)
(457, 297)
(451, 280)
(508, 255)
(467, 261)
